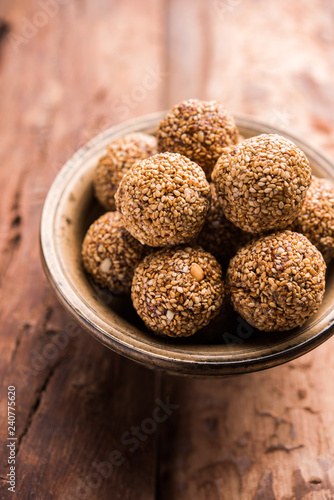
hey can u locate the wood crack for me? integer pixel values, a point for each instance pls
(14, 234)
(26, 327)
(282, 447)
(35, 407)
(4, 30)
(47, 317)
(8, 254)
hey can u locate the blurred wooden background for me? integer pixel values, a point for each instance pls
(69, 69)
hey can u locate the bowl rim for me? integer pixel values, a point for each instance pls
(152, 356)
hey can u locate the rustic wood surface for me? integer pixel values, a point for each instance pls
(68, 69)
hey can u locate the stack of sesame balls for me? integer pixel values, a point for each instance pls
(202, 215)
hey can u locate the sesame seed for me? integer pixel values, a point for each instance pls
(200, 136)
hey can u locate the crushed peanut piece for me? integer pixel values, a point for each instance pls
(196, 271)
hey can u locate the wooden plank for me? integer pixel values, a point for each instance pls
(267, 435)
(70, 78)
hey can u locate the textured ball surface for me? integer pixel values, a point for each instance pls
(110, 254)
(219, 236)
(316, 220)
(164, 200)
(177, 291)
(262, 182)
(198, 130)
(122, 153)
(277, 282)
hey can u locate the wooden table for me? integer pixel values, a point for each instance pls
(68, 69)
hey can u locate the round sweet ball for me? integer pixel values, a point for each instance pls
(262, 183)
(277, 282)
(110, 254)
(199, 130)
(219, 236)
(164, 200)
(316, 220)
(177, 291)
(121, 154)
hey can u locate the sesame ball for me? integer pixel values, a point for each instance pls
(316, 220)
(262, 182)
(277, 282)
(110, 254)
(164, 200)
(219, 236)
(198, 130)
(121, 154)
(177, 291)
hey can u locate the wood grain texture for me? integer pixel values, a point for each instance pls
(258, 436)
(262, 436)
(269, 59)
